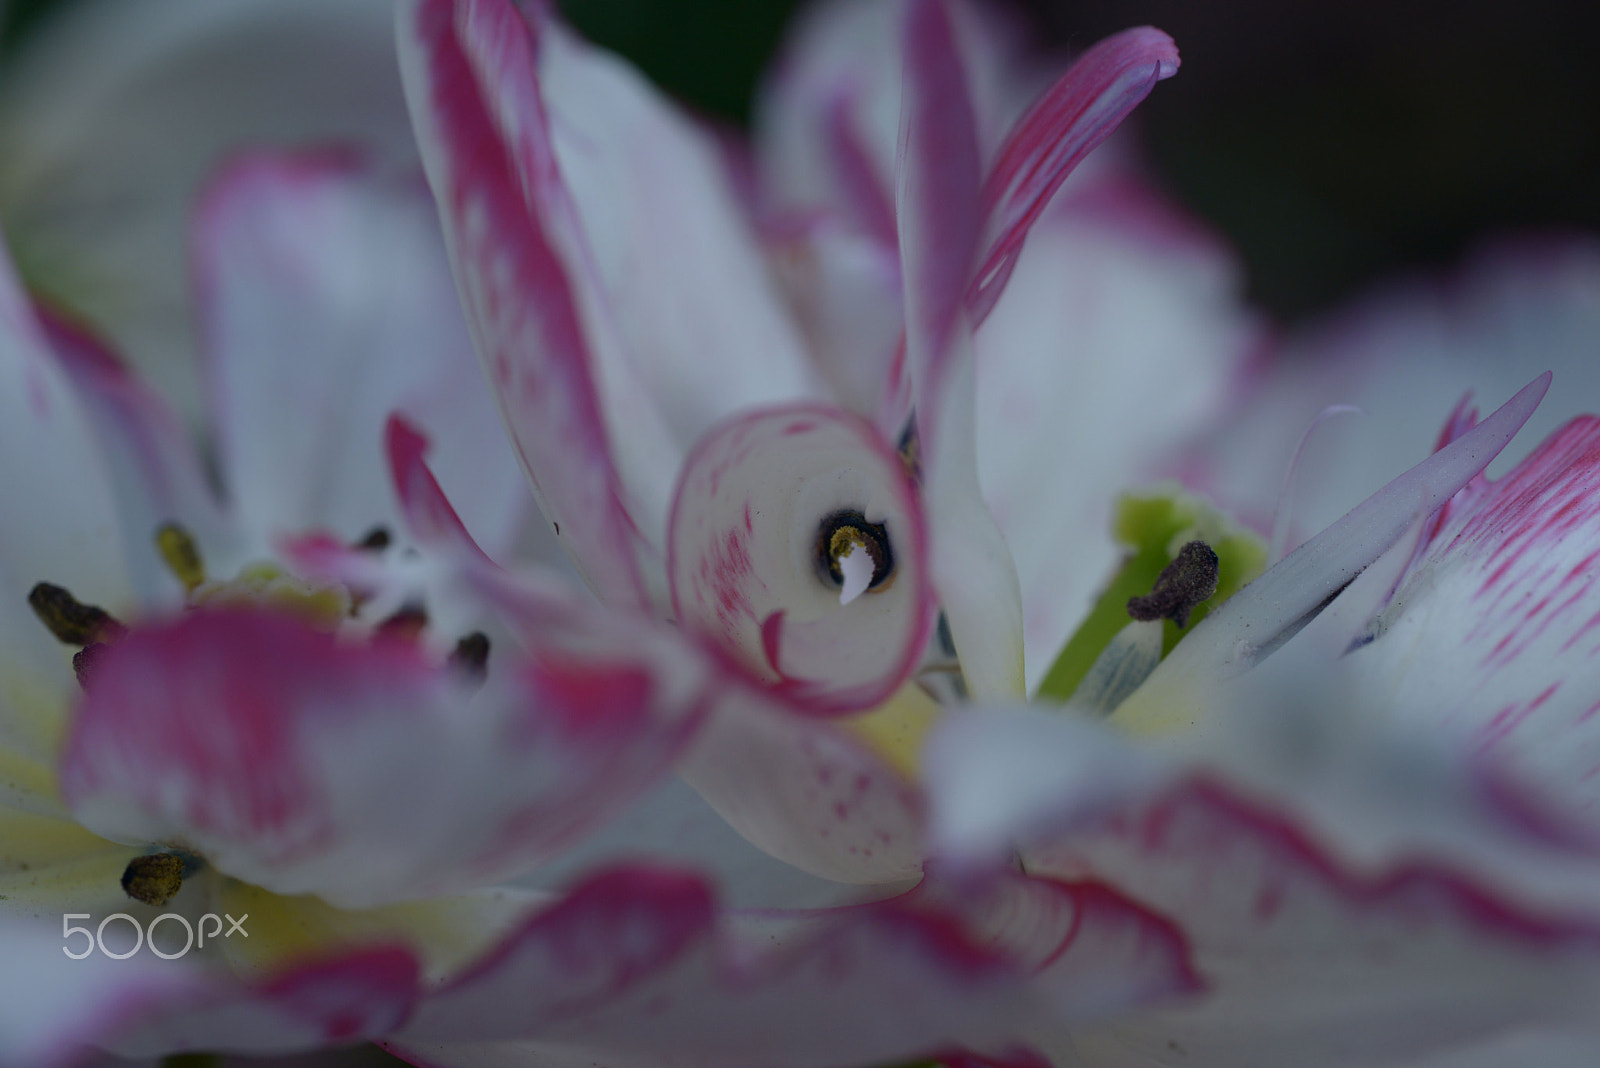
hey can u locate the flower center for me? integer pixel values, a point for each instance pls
(854, 554)
(156, 878)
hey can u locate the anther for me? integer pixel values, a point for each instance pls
(846, 541)
(375, 540)
(181, 554)
(471, 656)
(70, 620)
(1190, 579)
(154, 879)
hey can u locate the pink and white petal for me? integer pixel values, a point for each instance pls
(364, 773)
(109, 140)
(327, 303)
(807, 792)
(641, 961)
(155, 466)
(828, 115)
(748, 553)
(1064, 125)
(1119, 340)
(1406, 354)
(472, 82)
(1351, 895)
(1493, 634)
(363, 994)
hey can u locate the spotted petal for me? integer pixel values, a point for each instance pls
(363, 772)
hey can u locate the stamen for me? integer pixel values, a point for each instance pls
(471, 656)
(181, 554)
(154, 879)
(70, 620)
(1190, 579)
(376, 540)
(846, 545)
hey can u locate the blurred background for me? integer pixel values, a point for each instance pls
(1334, 143)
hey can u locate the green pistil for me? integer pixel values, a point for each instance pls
(1154, 527)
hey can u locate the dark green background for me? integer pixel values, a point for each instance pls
(1332, 142)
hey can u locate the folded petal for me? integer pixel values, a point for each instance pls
(640, 961)
(364, 773)
(937, 209)
(115, 113)
(1064, 125)
(771, 510)
(327, 303)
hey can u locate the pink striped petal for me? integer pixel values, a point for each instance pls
(471, 78)
(365, 994)
(937, 202)
(639, 961)
(747, 555)
(1351, 894)
(1074, 115)
(1494, 633)
(364, 773)
(155, 465)
(327, 304)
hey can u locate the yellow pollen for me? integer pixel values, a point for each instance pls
(181, 555)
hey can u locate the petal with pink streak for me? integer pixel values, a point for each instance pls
(99, 216)
(472, 82)
(327, 303)
(1073, 116)
(1495, 631)
(155, 465)
(747, 555)
(807, 792)
(1120, 338)
(365, 994)
(937, 203)
(366, 773)
(1350, 892)
(640, 960)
